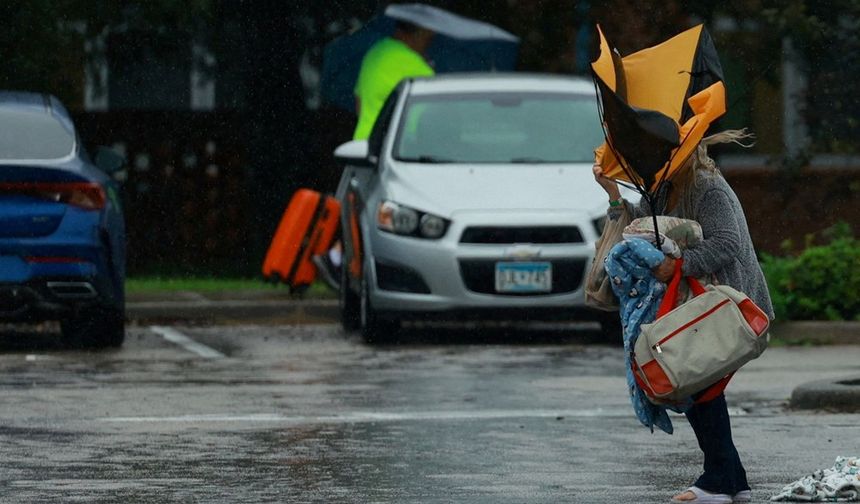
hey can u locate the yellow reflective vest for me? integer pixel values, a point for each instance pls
(386, 63)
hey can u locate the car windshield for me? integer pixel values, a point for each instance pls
(522, 127)
(28, 135)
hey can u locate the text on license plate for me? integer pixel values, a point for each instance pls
(523, 277)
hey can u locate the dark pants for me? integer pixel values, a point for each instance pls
(724, 472)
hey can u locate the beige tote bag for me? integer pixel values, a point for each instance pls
(698, 344)
(598, 290)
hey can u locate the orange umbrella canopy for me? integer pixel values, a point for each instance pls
(656, 105)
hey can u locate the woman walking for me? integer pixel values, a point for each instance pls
(699, 192)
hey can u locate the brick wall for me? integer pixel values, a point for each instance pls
(781, 206)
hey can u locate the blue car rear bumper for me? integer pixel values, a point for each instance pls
(51, 276)
(15, 269)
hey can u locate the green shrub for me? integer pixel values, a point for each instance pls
(776, 272)
(821, 283)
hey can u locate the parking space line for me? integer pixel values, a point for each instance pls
(372, 416)
(359, 417)
(174, 336)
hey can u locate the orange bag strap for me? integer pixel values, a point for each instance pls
(670, 298)
(671, 295)
(714, 390)
(695, 286)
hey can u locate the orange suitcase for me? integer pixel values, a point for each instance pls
(306, 229)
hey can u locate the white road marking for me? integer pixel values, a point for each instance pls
(89, 484)
(358, 417)
(174, 336)
(367, 416)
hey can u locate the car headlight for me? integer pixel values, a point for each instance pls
(402, 220)
(396, 218)
(432, 226)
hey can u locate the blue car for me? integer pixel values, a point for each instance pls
(62, 235)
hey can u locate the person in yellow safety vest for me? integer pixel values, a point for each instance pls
(388, 62)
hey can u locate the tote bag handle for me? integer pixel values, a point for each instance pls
(670, 298)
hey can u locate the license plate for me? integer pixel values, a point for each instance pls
(523, 277)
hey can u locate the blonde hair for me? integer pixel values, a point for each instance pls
(701, 159)
(701, 162)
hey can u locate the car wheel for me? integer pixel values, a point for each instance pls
(350, 303)
(373, 328)
(95, 328)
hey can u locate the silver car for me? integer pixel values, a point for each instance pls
(473, 197)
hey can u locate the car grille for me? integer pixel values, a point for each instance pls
(509, 235)
(479, 275)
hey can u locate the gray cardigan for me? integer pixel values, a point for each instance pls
(726, 251)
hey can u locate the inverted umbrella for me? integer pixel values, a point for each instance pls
(656, 105)
(461, 45)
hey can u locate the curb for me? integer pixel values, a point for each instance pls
(818, 332)
(236, 311)
(841, 395)
(264, 308)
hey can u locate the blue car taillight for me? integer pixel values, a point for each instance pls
(86, 195)
(54, 260)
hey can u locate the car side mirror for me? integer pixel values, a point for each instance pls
(354, 153)
(108, 161)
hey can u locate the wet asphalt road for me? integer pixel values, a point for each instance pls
(309, 414)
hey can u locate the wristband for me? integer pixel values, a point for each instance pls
(615, 203)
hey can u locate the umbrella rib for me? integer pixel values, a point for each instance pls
(656, 230)
(640, 188)
(665, 174)
(663, 178)
(627, 185)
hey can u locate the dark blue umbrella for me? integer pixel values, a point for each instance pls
(460, 45)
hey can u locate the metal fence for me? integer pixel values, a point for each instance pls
(189, 201)
(185, 196)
